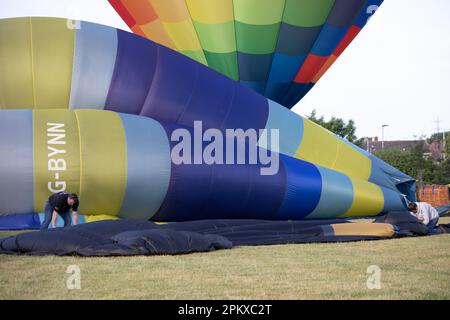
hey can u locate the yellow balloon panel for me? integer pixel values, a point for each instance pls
(183, 35)
(363, 229)
(324, 148)
(103, 161)
(56, 154)
(52, 77)
(101, 217)
(318, 145)
(211, 12)
(352, 162)
(16, 64)
(368, 199)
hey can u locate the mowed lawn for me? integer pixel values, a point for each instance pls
(411, 268)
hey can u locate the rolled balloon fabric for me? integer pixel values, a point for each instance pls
(64, 64)
(122, 165)
(279, 48)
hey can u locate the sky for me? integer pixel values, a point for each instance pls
(396, 72)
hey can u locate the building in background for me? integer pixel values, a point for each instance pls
(433, 150)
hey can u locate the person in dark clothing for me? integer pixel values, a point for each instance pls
(60, 203)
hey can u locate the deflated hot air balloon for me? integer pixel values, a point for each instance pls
(56, 66)
(279, 48)
(124, 165)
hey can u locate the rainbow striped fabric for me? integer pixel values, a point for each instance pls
(279, 48)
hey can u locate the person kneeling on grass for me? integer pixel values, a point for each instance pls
(61, 203)
(425, 213)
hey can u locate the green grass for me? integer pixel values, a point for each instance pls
(411, 268)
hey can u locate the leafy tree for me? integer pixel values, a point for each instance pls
(415, 165)
(338, 126)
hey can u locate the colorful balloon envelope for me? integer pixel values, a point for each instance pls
(279, 48)
(121, 164)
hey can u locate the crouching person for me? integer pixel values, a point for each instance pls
(61, 203)
(426, 215)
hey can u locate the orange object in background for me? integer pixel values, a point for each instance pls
(436, 195)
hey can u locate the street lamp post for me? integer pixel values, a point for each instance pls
(382, 135)
(444, 142)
